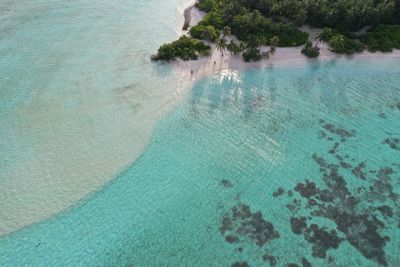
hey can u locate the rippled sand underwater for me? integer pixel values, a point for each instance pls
(79, 97)
(276, 166)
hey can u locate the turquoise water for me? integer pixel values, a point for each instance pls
(288, 164)
(79, 97)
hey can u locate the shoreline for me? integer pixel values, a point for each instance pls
(284, 55)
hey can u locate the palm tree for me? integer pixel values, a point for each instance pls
(206, 35)
(275, 9)
(255, 42)
(233, 47)
(384, 9)
(273, 43)
(337, 42)
(254, 19)
(300, 17)
(323, 36)
(243, 46)
(221, 45)
(226, 31)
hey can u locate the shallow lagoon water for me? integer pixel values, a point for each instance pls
(79, 97)
(285, 164)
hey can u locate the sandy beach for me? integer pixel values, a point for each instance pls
(217, 62)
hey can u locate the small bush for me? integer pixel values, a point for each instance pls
(234, 48)
(309, 50)
(204, 32)
(185, 48)
(251, 54)
(197, 31)
(213, 18)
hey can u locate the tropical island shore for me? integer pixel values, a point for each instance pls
(219, 58)
(204, 66)
(284, 55)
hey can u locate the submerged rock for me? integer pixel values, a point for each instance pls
(305, 262)
(278, 192)
(240, 264)
(341, 132)
(270, 259)
(240, 224)
(394, 143)
(226, 183)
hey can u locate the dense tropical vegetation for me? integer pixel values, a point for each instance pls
(382, 38)
(186, 48)
(255, 23)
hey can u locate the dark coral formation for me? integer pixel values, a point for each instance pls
(334, 148)
(305, 262)
(358, 199)
(298, 225)
(321, 239)
(226, 183)
(396, 106)
(240, 224)
(278, 192)
(240, 264)
(359, 171)
(382, 188)
(336, 203)
(335, 130)
(306, 190)
(386, 211)
(382, 115)
(394, 143)
(231, 239)
(357, 219)
(270, 259)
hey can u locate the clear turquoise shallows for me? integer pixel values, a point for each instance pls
(289, 164)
